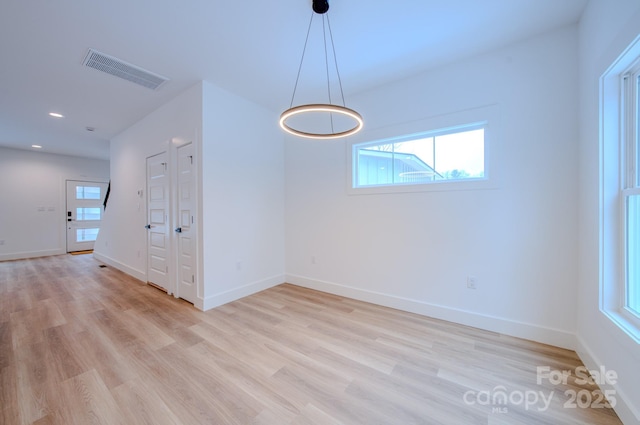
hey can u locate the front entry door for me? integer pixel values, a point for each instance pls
(158, 243)
(84, 213)
(186, 231)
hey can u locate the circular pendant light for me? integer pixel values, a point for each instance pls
(321, 108)
(320, 7)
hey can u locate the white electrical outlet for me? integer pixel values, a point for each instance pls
(472, 282)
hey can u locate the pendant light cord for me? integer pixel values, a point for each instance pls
(326, 59)
(335, 61)
(326, 67)
(295, 87)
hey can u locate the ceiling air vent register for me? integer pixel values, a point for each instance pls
(124, 70)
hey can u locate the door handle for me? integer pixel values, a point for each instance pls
(148, 226)
(178, 229)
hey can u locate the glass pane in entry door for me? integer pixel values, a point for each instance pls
(86, 235)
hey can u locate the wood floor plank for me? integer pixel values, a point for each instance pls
(229, 401)
(313, 415)
(266, 397)
(36, 383)
(84, 344)
(14, 301)
(6, 345)
(177, 392)
(108, 360)
(64, 361)
(10, 406)
(141, 405)
(147, 332)
(246, 350)
(334, 403)
(87, 400)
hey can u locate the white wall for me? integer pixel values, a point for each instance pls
(32, 200)
(241, 212)
(243, 197)
(606, 29)
(122, 241)
(414, 251)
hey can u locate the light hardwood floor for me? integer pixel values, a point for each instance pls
(82, 344)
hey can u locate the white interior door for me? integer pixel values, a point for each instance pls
(186, 231)
(84, 213)
(158, 243)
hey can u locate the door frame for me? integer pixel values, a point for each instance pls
(66, 182)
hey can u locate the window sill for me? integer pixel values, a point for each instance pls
(626, 324)
(442, 186)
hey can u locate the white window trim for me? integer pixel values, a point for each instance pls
(487, 115)
(613, 181)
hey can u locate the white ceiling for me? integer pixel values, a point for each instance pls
(252, 48)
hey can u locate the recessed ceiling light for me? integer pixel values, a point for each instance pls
(56, 115)
(36, 146)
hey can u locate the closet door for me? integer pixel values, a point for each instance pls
(186, 230)
(158, 225)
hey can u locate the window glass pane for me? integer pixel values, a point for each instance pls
(86, 235)
(83, 214)
(451, 156)
(636, 137)
(375, 166)
(460, 155)
(415, 159)
(633, 253)
(87, 192)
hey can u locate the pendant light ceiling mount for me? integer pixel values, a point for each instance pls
(321, 7)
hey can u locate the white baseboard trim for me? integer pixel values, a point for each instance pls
(225, 297)
(138, 274)
(545, 335)
(627, 412)
(31, 254)
(199, 304)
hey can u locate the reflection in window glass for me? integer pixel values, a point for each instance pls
(456, 154)
(85, 214)
(86, 235)
(633, 221)
(637, 133)
(87, 192)
(633, 253)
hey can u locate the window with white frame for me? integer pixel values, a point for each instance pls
(631, 187)
(620, 192)
(448, 154)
